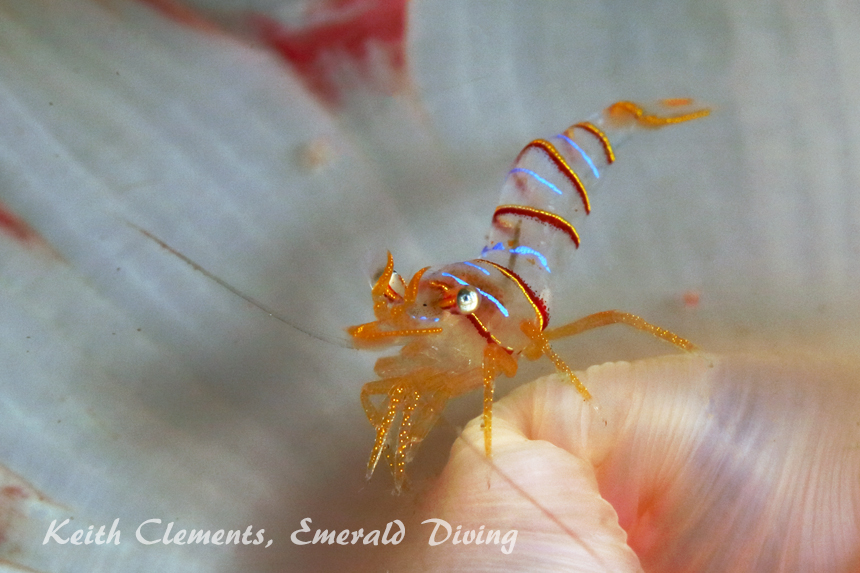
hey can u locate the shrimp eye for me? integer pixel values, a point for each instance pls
(468, 299)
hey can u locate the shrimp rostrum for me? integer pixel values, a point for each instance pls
(461, 325)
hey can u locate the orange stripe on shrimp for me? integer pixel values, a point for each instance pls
(543, 216)
(537, 303)
(604, 141)
(562, 165)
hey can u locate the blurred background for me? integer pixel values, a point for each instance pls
(283, 147)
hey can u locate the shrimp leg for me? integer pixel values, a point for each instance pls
(403, 419)
(496, 361)
(540, 345)
(607, 317)
(381, 420)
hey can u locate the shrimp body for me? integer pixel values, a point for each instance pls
(461, 325)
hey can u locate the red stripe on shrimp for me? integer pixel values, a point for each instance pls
(562, 165)
(546, 217)
(593, 130)
(537, 302)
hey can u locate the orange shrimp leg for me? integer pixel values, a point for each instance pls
(540, 347)
(540, 340)
(607, 317)
(406, 410)
(380, 420)
(496, 361)
(397, 460)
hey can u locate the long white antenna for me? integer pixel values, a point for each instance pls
(234, 290)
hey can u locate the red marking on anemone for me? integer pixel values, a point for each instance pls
(182, 14)
(691, 299)
(17, 228)
(11, 510)
(335, 32)
(13, 492)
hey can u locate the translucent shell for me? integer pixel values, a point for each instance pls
(462, 325)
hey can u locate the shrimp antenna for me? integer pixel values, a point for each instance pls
(271, 312)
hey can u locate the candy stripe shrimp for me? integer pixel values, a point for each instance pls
(461, 325)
